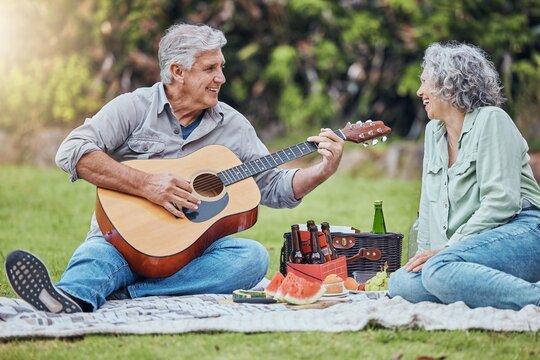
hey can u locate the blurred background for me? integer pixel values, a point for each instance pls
(292, 66)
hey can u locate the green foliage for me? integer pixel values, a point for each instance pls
(312, 111)
(408, 84)
(59, 86)
(362, 27)
(528, 101)
(301, 63)
(309, 8)
(281, 67)
(329, 58)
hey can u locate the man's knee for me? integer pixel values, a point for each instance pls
(258, 257)
(98, 248)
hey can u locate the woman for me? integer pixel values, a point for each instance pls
(479, 224)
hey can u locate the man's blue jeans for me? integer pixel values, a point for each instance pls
(498, 268)
(96, 269)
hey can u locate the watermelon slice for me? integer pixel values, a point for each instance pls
(299, 291)
(285, 286)
(274, 284)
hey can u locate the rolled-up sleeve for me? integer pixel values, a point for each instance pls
(103, 132)
(275, 184)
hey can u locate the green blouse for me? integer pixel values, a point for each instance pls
(485, 186)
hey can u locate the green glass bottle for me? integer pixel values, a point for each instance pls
(379, 227)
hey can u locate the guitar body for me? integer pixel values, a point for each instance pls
(157, 244)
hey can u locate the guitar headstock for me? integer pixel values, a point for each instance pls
(360, 132)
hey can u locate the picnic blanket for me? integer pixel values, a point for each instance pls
(198, 313)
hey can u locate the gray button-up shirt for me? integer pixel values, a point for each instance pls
(141, 125)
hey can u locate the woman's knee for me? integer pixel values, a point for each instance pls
(402, 283)
(434, 272)
(408, 285)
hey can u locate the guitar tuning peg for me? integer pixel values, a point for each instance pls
(365, 145)
(384, 138)
(374, 142)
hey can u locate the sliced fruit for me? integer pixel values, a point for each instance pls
(285, 286)
(274, 284)
(299, 291)
(248, 294)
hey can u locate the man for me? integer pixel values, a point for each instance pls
(171, 119)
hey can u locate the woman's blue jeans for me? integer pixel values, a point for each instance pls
(96, 269)
(497, 268)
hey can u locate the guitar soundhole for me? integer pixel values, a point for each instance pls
(207, 185)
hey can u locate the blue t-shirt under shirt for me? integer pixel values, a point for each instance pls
(186, 130)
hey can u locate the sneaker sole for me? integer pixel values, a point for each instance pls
(30, 279)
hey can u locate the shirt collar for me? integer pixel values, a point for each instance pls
(469, 121)
(162, 98)
(215, 113)
(439, 129)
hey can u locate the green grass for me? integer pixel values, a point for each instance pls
(40, 210)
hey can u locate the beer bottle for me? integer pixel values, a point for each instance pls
(305, 244)
(296, 256)
(316, 256)
(378, 220)
(325, 228)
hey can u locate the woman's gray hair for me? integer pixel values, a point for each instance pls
(463, 75)
(183, 43)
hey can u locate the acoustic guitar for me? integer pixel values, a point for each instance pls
(157, 244)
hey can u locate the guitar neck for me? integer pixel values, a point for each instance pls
(254, 167)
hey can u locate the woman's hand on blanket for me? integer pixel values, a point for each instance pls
(417, 261)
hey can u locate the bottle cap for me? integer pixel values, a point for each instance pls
(377, 202)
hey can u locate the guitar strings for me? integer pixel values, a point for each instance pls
(208, 183)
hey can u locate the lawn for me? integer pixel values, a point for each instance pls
(41, 211)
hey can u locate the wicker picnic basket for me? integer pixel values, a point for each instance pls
(356, 247)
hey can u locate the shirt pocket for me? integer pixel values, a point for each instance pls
(465, 167)
(433, 181)
(464, 179)
(146, 148)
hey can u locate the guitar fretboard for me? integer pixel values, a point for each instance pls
(254, 167)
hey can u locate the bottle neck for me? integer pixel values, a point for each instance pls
(295, 237)
(315, 241)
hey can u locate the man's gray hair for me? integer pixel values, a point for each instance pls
(183, 43)
(463, 75)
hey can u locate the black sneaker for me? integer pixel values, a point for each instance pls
(120, 294)
(30, 279)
